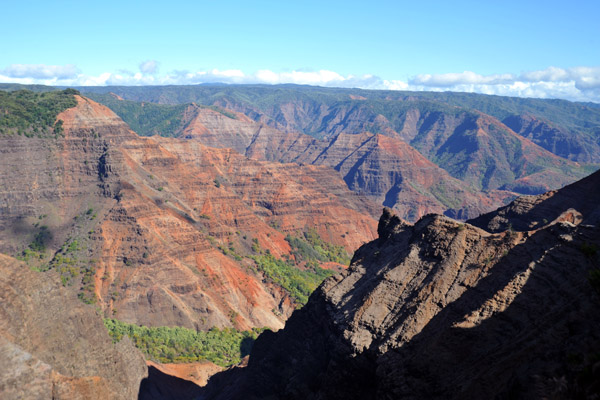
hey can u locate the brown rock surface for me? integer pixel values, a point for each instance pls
(50, 181)
(155, 217)
(386, 169)
(198, 373)
(445, 310)
(54, 346)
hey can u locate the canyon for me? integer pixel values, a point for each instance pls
(159, 228)
(236, 213)
(453, 153)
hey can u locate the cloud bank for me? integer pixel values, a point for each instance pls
(40, 71)
(576, 84)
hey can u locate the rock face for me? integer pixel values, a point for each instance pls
(54, 346)
(475, 152)
(440, 309)
(154, 230)
(386, 169)
(200, 198)
(58, 178)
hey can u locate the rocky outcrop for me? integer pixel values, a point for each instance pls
(54, 346)
(441, 309)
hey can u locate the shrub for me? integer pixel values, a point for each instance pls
(224, 347)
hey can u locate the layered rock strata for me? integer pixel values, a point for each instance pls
(163, 226)
(385, 168)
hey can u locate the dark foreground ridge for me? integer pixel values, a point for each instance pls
(441, 309)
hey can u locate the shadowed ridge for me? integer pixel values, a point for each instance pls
(442, 310)
(531, 212)
(510, 346)
(161, 386)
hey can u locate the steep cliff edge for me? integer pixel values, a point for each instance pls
(440, 309)
(54, 346)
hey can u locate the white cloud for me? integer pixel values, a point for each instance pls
(149, 67)
(586, 77)
(578, 83)
(40, 71)
(550, 74)
(467, 77)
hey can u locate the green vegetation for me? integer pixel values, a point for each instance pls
(150, 118)
(223, 111)
(447, 198)
(41, 239)
(300, 276)
(310, 247)
(31, 114)
(70, 260)
(37, 248)
(73, 270)
(224, 347)
(146, 119)
(298, 283)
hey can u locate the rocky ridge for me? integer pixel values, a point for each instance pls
(441, 309)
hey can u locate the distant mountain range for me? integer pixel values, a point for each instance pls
(322, 112)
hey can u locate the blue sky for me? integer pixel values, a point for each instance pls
(527, 48)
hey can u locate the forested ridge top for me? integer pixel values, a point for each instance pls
(29, 113)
